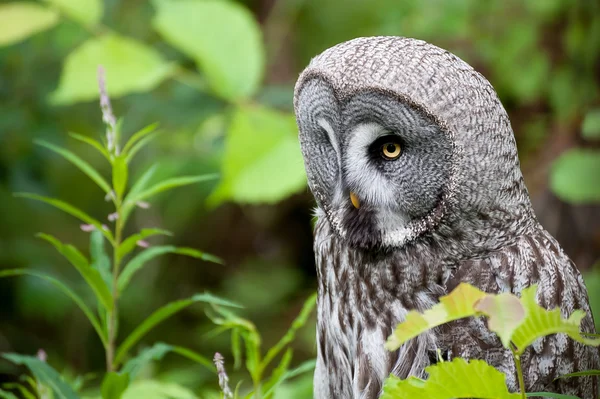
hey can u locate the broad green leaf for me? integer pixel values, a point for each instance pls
(221, 36)
(448, 380)
(66, 290)
(278, 374)
(114, 384)
(580, 374)
(21, 19)
(135, 264)
(456, 305)
(162, 314)
(591, 125)
(505, 313)
(574, 176)
(130, 243)
(44, 374)
(540, 322)
(71, 210)
(94, 143)
(120, 176)
(156, 352)
(137, 136)
(152, 389)
(91, 276)
(80, 163)
(262, 160)
(131, 67)
(550, 395)
(87, 12)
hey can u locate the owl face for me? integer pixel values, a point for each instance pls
(377, 165)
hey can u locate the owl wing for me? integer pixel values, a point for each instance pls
(535, 259)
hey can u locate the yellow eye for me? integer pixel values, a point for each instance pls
(390, 151)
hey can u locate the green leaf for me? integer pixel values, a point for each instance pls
(5, 394)
(574, 176)
(139, 145)
(162, 314)
(114, 384)
(456, 305)
(44, 374)
(305, 367)
(550, 395)
(137, 136)
(540, 322)
(505, 313)
(152, 389)
(580, 374)
(131, 67)
(591, 125)
(130, 243)
(66, 290)
(448, 380)
(138, 186)
(20, 19)
(87, 12)
(71, 210)
(262, 160)
(99, 258)
(91, 276)
(94, 143)
(23, 391)
(222, 37)
(80, 163)
(135, 264)
(278, 374)
(120, 175)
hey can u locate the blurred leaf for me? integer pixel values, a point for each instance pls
(130, 243)
(44, 374)
(592, 282)
(120, 175)
(505, 313)
(580, 374)
(135, 264)
(262, 161)
(80, 163)
(66, 290)
(456, 305)
(93, 143)
(591, 125)
(20, 19)
(550, 395)
(7, 395)
(221, 36)
(71, 210)
(23, 391)
(87, 12)
(99, 258)
(156, 352)
(277, 375)
(574, 176)
(131, 67)
(459, 379)
(151, 389)
(114, 384)
(137, 136)
(303, 368)
(160, 315)
(91, 276)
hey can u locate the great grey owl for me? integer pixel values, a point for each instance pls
(413, 164)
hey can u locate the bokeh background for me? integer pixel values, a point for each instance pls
(220, 83)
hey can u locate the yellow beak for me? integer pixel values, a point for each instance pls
(354, 200)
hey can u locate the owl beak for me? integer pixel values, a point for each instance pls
(354, 200)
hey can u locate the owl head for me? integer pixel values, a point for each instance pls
(402, 139)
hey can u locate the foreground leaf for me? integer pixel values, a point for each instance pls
(574, 176)
(67, 291)
(262, 161)
(87, 12)
(114, 384)
(21, 19)
(222, 37)
(456, 305)
(162, 314)
(505, 314)
(590, 129)
(131, 67)
(45, 374)
(448, 380)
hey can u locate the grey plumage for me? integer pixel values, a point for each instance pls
(452, 207)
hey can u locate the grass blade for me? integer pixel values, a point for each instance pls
(278, 374)
(580, 374)
(88, 140)
(137, 136)
(195, 357)
(130, 242)
(66, 290)
(80, 163)
(169, 184)
(550, 395)
(139, 145)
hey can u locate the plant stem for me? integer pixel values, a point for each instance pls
(517, 358)
(114, 314)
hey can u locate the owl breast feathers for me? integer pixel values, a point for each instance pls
(413, 164)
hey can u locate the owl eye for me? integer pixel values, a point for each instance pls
(390, 150)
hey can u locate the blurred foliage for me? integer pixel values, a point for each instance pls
(218, 75)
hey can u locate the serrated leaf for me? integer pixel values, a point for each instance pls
(45, 374)
(87, 12)
(71, 210)
(135, 264)
(590, 128)
(505, 313)
(120, 172)
(456, 305)
(91, 276)
(114, 384)
(448, 380)
(131, 67)
(540, 322)
(80, 163)
(262, 160)
(152, 389)
(94, 143)
(162, 314)
(222, 37)
(66, 290)
(574, 176)
(130, 243)
(21, 19)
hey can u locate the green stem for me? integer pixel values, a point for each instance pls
(114, 314)
(517, 358)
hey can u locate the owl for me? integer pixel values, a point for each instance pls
(413, 164)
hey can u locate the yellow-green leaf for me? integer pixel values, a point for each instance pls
(87, 12)
(21, 19)
(120, 171)
(505, 313)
